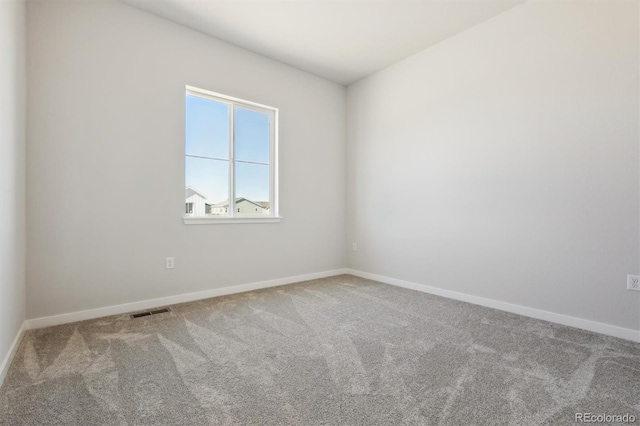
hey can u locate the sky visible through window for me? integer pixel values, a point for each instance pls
(207, 150)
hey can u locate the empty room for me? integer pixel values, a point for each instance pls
(319, 212)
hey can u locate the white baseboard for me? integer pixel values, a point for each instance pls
(6, 362)
(172, 300)
(597, 327)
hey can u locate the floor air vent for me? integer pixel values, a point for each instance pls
(148, 313)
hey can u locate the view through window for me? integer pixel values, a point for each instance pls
(229, 157)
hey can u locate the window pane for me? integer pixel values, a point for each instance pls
(251, 136)
(207, 128)
(252, 184)
(207, 186)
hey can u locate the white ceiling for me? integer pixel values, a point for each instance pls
(341, 40)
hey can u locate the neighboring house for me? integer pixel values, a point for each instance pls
(219, 208)
(265, 205)
(195, 202)
(243, 206)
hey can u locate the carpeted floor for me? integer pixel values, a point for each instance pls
(340, 350)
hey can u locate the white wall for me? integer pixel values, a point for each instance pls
(504, 162)
(12, 172)
(106, 168)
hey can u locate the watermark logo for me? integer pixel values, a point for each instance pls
(604, 418)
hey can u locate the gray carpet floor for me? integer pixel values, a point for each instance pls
(336, 351)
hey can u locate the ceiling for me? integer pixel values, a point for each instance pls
(340, 40)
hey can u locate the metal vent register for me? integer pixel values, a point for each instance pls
(148, 313)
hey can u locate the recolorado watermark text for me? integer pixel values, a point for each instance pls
(604, 418)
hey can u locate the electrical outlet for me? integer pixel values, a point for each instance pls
(170, 263)
(354, 247)
(633, 282)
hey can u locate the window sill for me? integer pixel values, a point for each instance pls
(199, 220)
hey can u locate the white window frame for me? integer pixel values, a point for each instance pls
(233, 217)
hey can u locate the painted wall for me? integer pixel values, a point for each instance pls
(106, 167)
(12, 172)
(504, 162)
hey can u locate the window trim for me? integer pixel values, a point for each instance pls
(202, 220)
(233, 102)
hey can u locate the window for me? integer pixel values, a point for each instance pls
(230, 159)
(189, 208)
